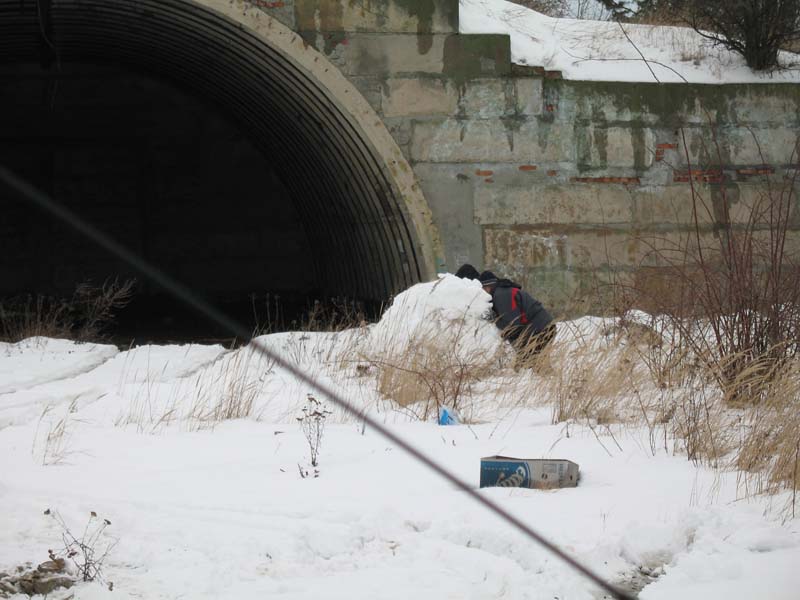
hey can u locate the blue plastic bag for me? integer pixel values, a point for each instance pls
(447, 416)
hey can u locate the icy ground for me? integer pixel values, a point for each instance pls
(601, 50)
(206, 509)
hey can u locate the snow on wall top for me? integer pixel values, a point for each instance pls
(600, 51)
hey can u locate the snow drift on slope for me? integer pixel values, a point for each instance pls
(37, 360)
(600, 50)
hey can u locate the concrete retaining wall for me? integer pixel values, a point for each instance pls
(555, 183)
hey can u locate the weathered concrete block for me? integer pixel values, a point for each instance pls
(553, 204)
(767, 104)
(526, 248)
(488, 98)
(503, 175)
(529, 95)
(675, 205)
(601, 147)
(372, 90)
(656, 205)
(282, 10)
(383, 54)
(387, 16)
(732, 145)
(696, 146)
(773, 146)
(492, 140)
(590, 250)
(418, 97)
(450, 196)
(400, 129)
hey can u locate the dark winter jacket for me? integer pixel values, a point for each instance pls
(517, 312)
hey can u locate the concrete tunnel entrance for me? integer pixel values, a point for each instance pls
(189, 132)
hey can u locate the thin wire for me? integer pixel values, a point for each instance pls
(45, 37)
(184, 294)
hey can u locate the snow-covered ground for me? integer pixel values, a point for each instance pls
(206, 508)
(601, 50)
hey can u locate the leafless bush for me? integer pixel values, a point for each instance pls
(607, 373)
(731, 284)
(82, 317)
(551, 8)
(591, 10)
(87, 552)
(312, 423)
(757, 30)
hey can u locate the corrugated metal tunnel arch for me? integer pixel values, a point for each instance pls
(368, 222)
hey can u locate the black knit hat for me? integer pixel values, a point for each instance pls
(467, 271)
(487, 278)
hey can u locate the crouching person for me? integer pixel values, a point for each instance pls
(521, 318)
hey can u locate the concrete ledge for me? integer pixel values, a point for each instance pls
(492, 140)
(414, 96)
(553, 204)
(476, 99)
(385, 16)
(533, 247)
(602, 205)
(460, 57)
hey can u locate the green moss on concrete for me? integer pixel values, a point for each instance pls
(470, 56)
(640, 151)
(329, 13)
(423, 10)
(669, 104)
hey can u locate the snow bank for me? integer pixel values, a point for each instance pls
(37, 360)
(600, 50)
(41, 372)
(224, 514)
(449, 314)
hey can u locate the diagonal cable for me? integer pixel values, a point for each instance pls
(29, 193)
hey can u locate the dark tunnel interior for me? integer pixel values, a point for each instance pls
(230, 171)
(159, 171)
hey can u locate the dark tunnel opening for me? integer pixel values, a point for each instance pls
(199, 147)
(161, 172)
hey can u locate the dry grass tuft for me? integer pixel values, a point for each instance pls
(769, 456)
(55, 446)
(590, 376)
(228, 389)
(82, 317)
(434, 367)
(431, 372)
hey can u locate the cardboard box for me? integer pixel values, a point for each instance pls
(537, 473)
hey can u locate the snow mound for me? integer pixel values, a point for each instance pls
(38, 360)
(449, 314)
(159, 363)
(601, 50)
